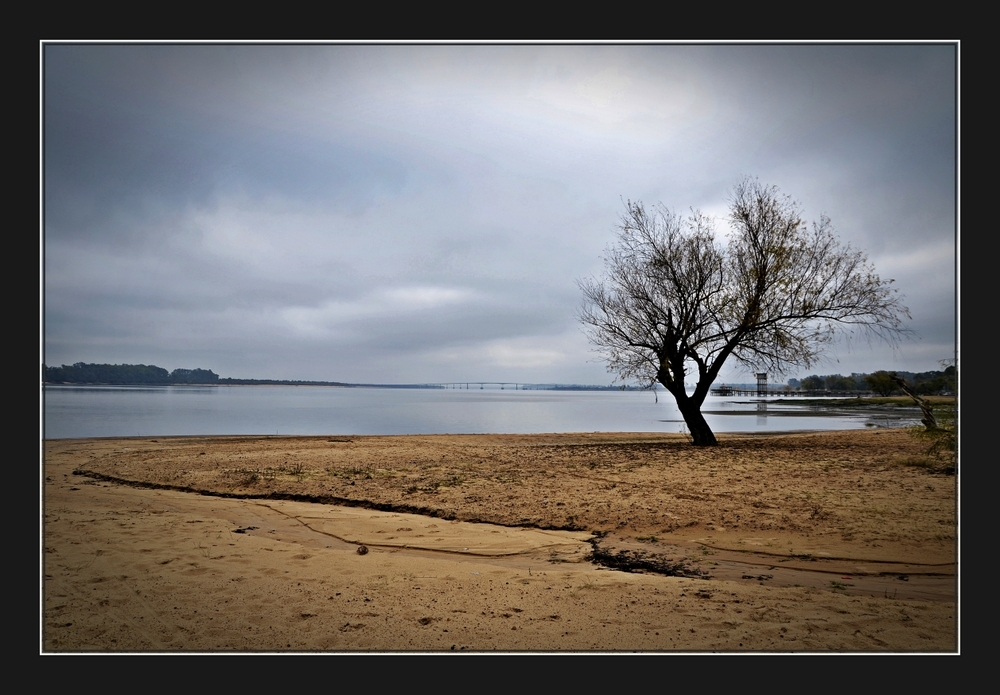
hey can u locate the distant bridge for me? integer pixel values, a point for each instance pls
(517, 386)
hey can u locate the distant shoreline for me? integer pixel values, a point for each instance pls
(493, 385)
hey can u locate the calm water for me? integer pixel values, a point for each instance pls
(98, 411)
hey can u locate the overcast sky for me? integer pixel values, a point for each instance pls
(394, 213)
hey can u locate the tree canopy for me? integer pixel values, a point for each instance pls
(126, 374)
(674, 301)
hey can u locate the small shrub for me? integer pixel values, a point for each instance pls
(248, 477)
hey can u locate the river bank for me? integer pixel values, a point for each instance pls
(837, 540)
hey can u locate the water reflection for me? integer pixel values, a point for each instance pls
(761, 414)
(116, 411)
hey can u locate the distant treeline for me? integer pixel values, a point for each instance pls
(126, 374)
(151, 375)
(881, 382)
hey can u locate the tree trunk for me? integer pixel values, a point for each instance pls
(701, 433)
(929, 421)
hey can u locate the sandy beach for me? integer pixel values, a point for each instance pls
(834, 541)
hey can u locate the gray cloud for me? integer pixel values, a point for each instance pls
(422, 213)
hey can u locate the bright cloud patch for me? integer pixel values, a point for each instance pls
(425, 297)
(338, 316)
(510, 355)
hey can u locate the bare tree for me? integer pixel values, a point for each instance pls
(673, 299)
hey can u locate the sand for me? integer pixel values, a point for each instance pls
(837, 541)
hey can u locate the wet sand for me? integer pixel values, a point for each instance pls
(806, 542)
